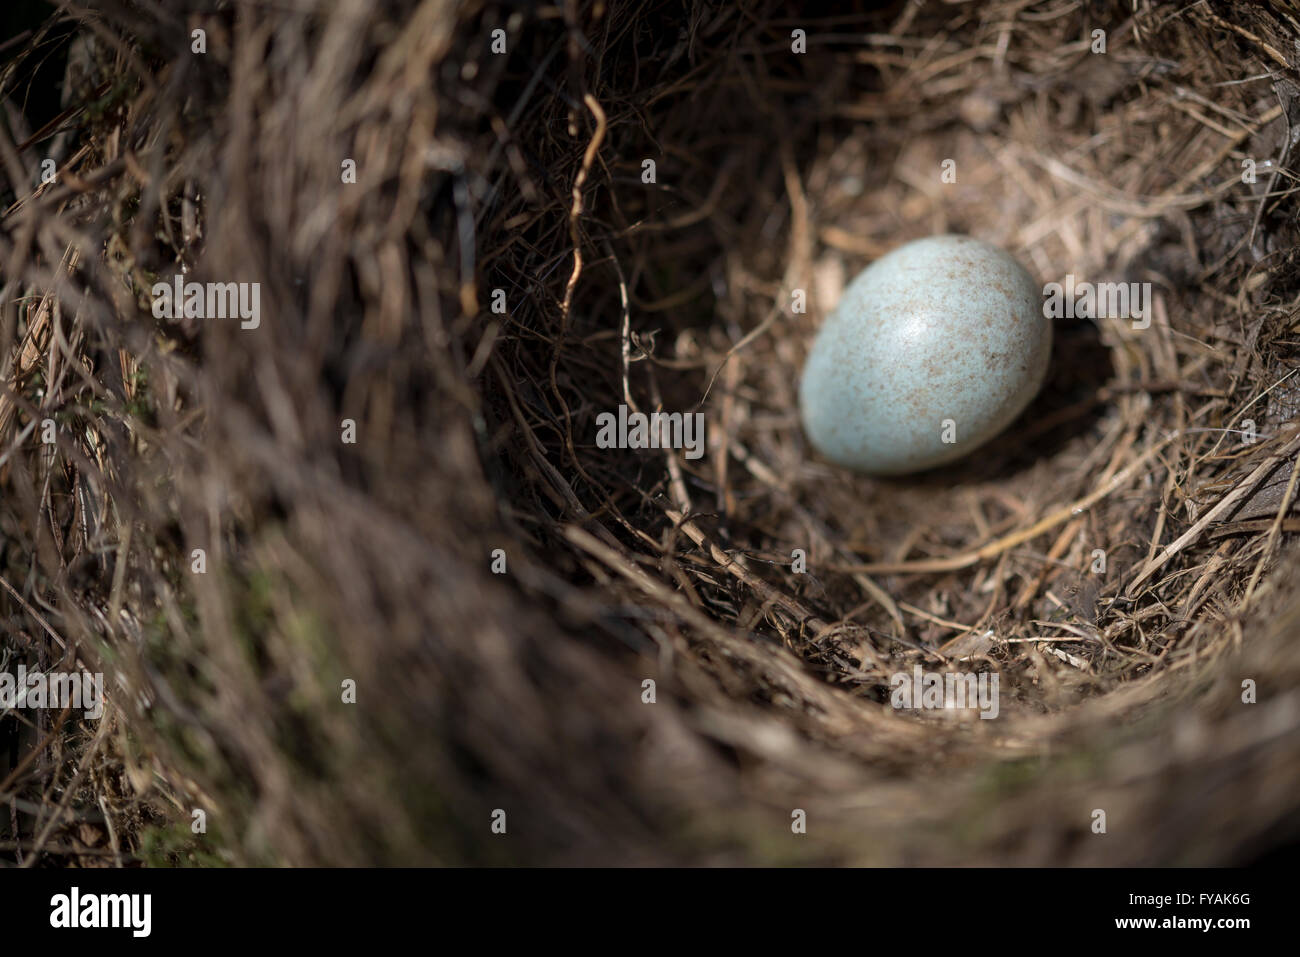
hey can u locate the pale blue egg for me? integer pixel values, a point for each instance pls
(935, 348)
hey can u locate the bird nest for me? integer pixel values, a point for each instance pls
(479, 233)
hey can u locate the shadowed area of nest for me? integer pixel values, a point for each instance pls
(624, 208)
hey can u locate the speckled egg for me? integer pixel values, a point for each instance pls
(935, 348)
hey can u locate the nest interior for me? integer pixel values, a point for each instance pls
(559, 211)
